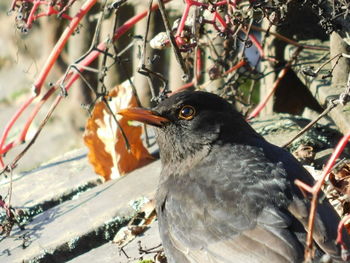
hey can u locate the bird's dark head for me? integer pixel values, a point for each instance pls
(189, 122)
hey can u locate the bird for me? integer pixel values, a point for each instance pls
(225, 194)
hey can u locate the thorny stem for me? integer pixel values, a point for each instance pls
(92, 47)
(118, 54)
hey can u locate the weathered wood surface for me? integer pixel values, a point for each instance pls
(321, 89)
(109, 252)
(78, 225)
(51, 182)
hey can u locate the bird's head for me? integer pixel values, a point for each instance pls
(188, 122)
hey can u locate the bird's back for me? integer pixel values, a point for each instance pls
(224, 208)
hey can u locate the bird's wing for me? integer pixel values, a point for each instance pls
(325, 225)
(231, 208)
(326, 219)
(270, 240)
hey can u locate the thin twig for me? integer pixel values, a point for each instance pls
(315, 190)
(240, 56)
(13, 164)
(93, 45)
(143, 55)
(176, 49)
(328, 61)
(142, 69)
(290, 41)
(127, 144)
(331, 106)
(10, 187)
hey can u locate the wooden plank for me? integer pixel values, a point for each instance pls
(109, 252)
(320, 88)
(74, 227)
(52, 183)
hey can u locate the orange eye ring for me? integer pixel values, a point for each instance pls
(187, 112)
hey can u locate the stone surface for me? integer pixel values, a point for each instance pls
(75, 226)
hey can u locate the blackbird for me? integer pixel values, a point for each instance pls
(225, 193)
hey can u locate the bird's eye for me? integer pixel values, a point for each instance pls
(187, 112)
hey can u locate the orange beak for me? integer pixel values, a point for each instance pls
(144, 115)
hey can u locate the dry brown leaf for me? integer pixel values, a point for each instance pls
(107, 151)
(341, 178)
(305, 154)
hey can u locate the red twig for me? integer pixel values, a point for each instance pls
(282, 73)
(45, 71)
(217, 17)
(52, 11)
(315, 190)
(71, 78)
(192, 83)
(240, 64)
(341, 225)
(61, 43)
(35, 111)
(263, 103)
(178, 38)
(183, 87)
(11, 123)
(198, 64)
(36, 4)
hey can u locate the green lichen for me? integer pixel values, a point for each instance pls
(320, 137)
(72, 244)
(138, 203)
